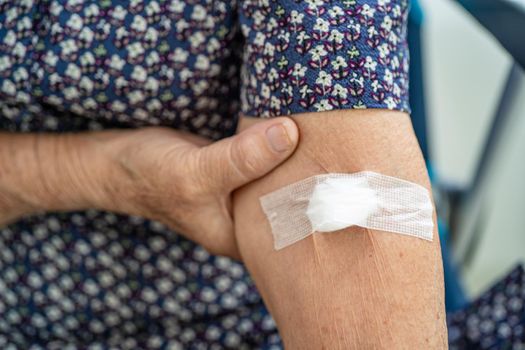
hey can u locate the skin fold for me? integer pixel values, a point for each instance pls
(354, 288)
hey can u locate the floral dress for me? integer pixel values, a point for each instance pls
(97, 280)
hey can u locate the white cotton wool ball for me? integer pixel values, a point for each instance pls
(337, 203)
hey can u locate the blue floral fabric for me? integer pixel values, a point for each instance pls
(98, 280)
(316, 55)
(496, 320)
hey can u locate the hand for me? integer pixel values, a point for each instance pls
(186, 182)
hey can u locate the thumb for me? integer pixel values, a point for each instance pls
(232, 162)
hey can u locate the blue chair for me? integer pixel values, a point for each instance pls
(505, 20)
(455, 297)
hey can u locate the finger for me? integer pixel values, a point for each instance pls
(237, 160)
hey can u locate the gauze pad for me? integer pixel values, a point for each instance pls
(331, 202)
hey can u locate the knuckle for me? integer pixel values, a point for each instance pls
(247, 157)
(201, 169)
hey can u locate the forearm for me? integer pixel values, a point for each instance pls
(53, 172)
(354, 288)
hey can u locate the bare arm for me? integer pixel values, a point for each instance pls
(177, 178)
(357, 288)
(44, 172)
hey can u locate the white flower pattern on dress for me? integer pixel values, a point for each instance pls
(332, 39)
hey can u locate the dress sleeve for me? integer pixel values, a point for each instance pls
(319, 55)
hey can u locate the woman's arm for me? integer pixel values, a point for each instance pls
(357, 288)
(45, 172)
(180, 179)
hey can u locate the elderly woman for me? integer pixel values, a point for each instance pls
(132, 160)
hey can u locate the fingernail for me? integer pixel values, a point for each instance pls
(278, 137)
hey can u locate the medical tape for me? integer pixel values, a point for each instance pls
(331, 202)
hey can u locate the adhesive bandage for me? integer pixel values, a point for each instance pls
(330, 202)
